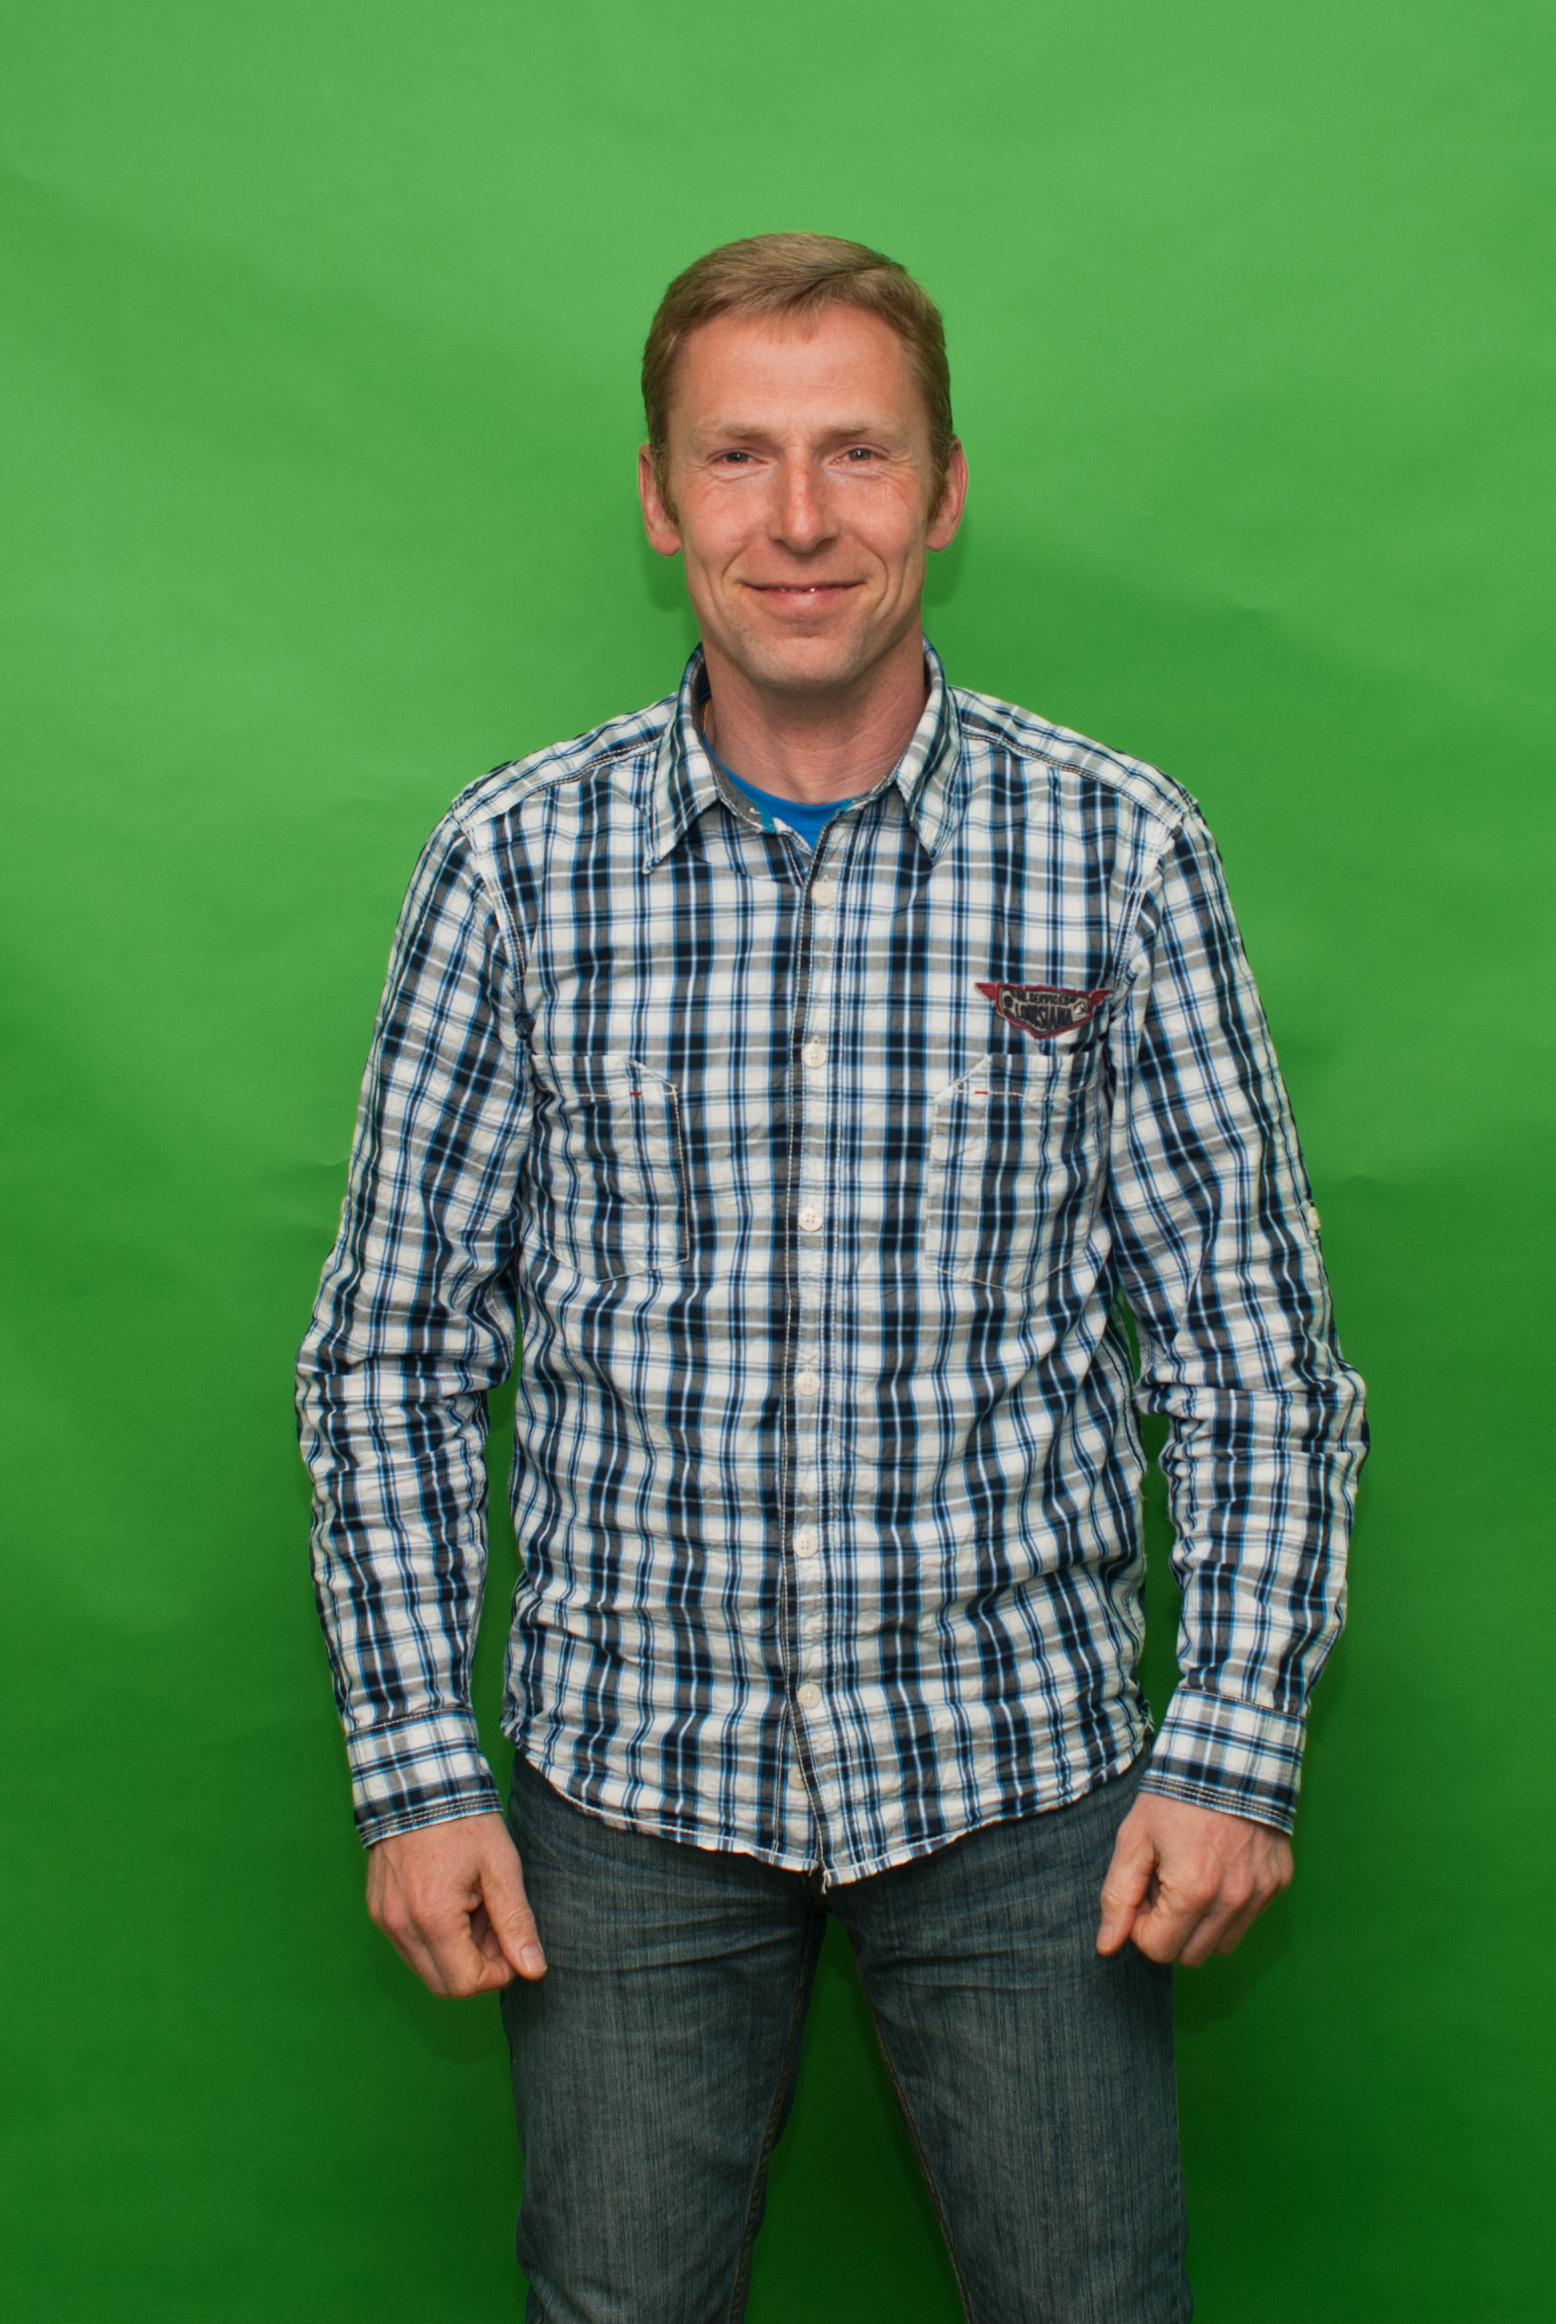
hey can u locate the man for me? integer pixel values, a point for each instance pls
(813, 1065)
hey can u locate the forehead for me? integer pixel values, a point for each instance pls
(836, 368)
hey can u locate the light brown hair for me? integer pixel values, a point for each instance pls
(799, 275)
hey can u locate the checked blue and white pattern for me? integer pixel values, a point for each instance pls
(827, 1470)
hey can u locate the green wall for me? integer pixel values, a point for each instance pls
(317, 428)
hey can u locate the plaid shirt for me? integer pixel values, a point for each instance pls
(817, 1183)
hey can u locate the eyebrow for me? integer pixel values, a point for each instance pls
(748, 432)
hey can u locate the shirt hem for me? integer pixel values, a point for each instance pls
(1119, 1761)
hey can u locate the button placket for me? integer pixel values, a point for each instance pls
(807, 1375)
(811, 1214)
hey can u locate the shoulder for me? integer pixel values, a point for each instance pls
(519, 829)
(611, 755)
(1038, 751)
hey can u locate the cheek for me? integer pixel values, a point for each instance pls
(713, 535)
(898, 541)
(895, 525)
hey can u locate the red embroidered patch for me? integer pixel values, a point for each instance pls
(1044, 1009)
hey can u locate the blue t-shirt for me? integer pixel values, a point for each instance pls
(798, 814)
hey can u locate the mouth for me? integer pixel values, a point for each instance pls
(802, 596)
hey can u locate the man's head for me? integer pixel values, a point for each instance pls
(800, 453)
(794, 278)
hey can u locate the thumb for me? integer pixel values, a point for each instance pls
(1125, 1888)
(508, 1911)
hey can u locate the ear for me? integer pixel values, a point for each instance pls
(953, 499)
(658, 522)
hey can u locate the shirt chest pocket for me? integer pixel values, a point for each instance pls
(615, 1167)
(1014, 1153)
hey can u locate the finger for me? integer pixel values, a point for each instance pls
(450, 1963)
(1167, 1926)
(508, 1911)
(1239, 1925)
(437, 1972)
(488, 1943)
(1244, 1895)
(1126, 1886)
(1184, 1913)
(1225, 1920)
(1204, 1938)
(438, 1939)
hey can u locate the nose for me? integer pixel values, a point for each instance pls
(800, 520)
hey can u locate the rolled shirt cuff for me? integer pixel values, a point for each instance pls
(1223, 1754)
(419, 1771)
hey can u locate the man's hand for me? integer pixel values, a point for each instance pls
(450, 1899)
(1186, 1882)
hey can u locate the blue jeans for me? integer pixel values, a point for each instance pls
(654, 2065)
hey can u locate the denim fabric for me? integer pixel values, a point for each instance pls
(654, 2066)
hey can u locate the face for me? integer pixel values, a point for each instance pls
(799, 490)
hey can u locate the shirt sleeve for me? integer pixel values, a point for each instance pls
(415, 1320)
(1217, 1249)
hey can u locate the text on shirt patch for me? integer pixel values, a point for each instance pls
(1044, 1009)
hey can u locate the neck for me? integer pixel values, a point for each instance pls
(816, 745)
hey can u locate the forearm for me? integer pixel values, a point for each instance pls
(1261, 1488)
(399, 1563)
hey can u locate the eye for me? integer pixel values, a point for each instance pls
(860, 453)
(732, 457)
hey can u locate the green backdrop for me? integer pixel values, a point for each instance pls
(318, 425)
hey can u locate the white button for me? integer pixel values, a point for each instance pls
(822, 893)
(805, 1541)
(814, 1054)
(809, 1697)
(807, 1383)
(810, 1218)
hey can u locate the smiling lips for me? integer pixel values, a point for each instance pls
(803, 593)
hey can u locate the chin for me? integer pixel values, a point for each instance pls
(798, 664)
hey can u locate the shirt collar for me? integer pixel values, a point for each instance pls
(929, 774)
